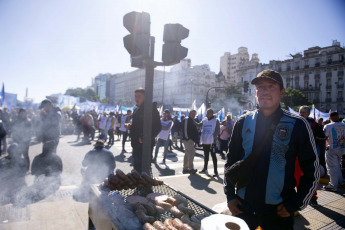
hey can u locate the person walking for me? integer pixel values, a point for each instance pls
(335, 149)
(319, 136)
(163, 136)
(223, 139)
(124, 131)
(190, 137)
(268, 140)
(102, 126)
(21, 134)
(110, 127)
(209, 134)
(50, 123)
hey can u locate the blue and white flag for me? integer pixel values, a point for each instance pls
(2, 95)
(221, 114)
(201, 112)
(194, 105)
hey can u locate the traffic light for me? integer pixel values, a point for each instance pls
(137, 42)
(245, 86)
(173, 52)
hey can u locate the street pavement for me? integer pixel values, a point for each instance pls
(61, 211)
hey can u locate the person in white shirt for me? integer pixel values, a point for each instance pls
(110, 127)
(209, 133)
(335, 149)
(124, 120)
(102, 126)
(163, 136)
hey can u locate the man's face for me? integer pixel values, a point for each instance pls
(268, 94)
(22, 115)
(192, 114)
(209, 114)
(129, 113)
(304, 114)
(139, 98)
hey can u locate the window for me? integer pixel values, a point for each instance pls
(328, 95)
(306, 83)
(251, 77)
(340, 108)
(340, 94)
(328, 107)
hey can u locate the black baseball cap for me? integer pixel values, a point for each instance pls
(269, 74)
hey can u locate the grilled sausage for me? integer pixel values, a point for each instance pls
(168, 223)
(148, 226)
(176, 212)
(186, 210)
(143, 217)
(159, 225)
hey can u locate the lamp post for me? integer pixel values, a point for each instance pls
(191, 90)
(207, 102)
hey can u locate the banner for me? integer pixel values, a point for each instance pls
(10, 100)
(64, 100)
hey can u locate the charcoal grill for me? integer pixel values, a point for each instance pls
(163, 189)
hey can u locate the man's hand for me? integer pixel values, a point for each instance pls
(140, 140)
(233, 206)
(282, 212)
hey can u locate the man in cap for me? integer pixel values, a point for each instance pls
(50, 123)
(269, 199)
(98, 164)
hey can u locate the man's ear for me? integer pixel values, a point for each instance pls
(282, 93)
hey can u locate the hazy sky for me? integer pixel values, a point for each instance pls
(50, 46)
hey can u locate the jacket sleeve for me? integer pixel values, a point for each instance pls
(235, 154)
(309, 163)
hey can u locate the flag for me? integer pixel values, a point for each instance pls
(194, 105)
(201, 112)
(220, 114)
(161, 111)
(2, 95)
(314, 112)
(179, 115)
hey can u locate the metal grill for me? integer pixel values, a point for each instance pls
(166, 190)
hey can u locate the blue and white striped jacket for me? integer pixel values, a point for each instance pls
(273, 180)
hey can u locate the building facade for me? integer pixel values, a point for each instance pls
(231, 63)
(178, 87)
(100, 85)
(318, 73)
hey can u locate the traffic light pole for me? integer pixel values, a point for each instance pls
(207, 103)
(147, 134)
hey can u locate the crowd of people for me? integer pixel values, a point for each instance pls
(279, 150)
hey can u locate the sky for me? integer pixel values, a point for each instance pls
(50, 46)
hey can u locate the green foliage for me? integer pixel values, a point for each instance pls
(294, 98)
(84, 94)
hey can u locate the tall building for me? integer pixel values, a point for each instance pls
(318, 73)
(184, 84)
(100, 85)
(230, 64)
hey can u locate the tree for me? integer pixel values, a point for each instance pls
(294, 98)
(84, 94)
